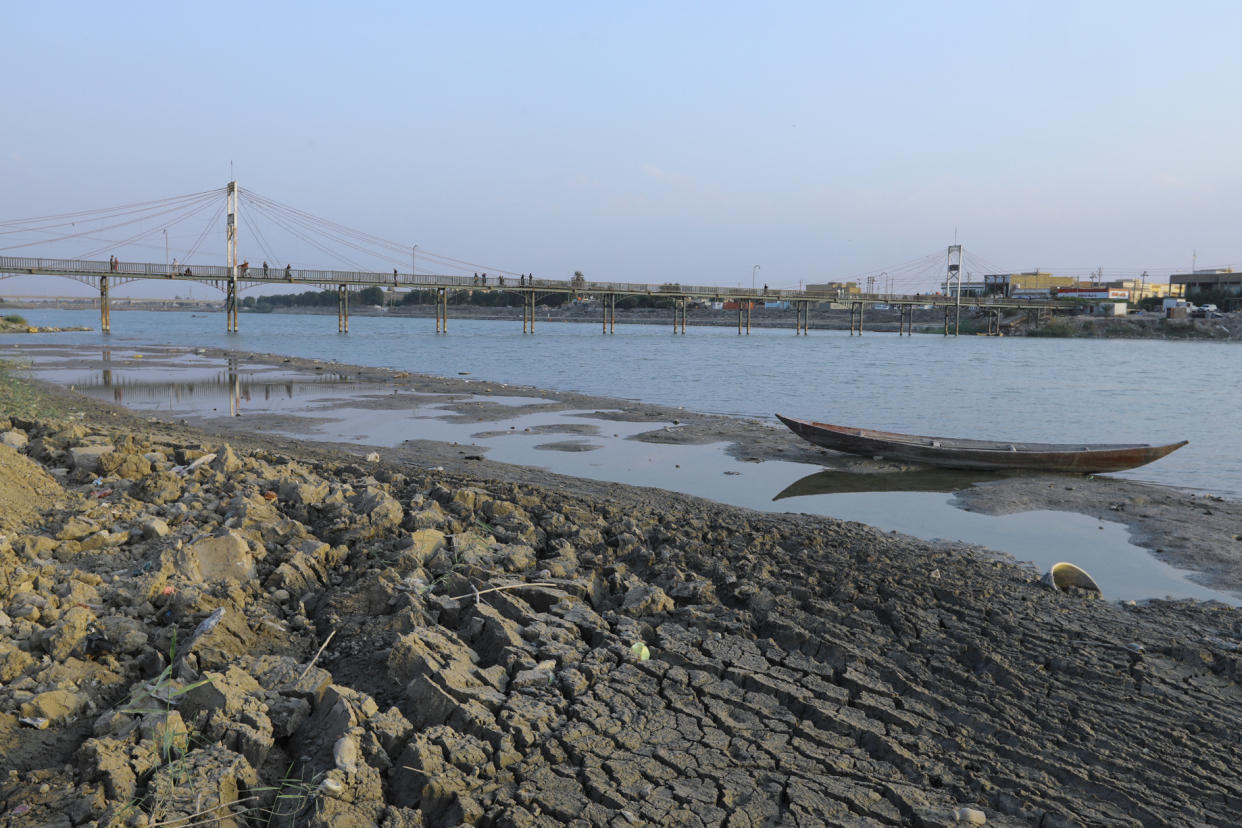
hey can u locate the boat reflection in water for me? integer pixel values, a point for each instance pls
(834, 481)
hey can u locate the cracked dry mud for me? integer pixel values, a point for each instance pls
(196, 631)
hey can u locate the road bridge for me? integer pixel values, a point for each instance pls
(104, 275)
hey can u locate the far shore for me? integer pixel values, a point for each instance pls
(1225, 327)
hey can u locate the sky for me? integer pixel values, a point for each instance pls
(641, 142)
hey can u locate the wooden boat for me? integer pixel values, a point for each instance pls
(954, 453)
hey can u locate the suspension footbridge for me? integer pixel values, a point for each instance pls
(143, 222)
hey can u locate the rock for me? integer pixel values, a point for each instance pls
(69, 631)
(301, 493)
(86, 458)
(970, 816)
(158, 487)
(226, 557)
(126, 635)
(76, 528)
(155, 528)
(124, 465)
(13, 660)
(226, 460)
(519, 558)
(55, 705)
(14, 440)
(220, 776)
(345, 751)
(646, 600)
(391, 728)
(103, 539)
(424, 544)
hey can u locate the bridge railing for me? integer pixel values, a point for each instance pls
(275, 275)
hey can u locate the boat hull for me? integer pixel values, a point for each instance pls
(952, 453)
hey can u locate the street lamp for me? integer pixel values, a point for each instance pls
(752, 278)
(165, 249)
(884, 278)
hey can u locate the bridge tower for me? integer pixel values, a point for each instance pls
(230, 300)
(953, 277)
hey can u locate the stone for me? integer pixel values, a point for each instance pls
(13, 660)
(86, 458)
(425, 543)
(55, 705)
(76, 528)
(646, 600)
(345, 751)
(69, 631)
(14, 440)
(155, 528)
(159, 487)
(970, 816)
(124, 465)
(226, 557)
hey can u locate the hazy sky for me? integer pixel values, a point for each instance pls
(647, 142)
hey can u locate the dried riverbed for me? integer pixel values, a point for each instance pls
(200, 626)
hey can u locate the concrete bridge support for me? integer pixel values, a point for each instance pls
(802, 317)
(105, 309)
(230, 306)
(679, 311)
(441, 310)
(528, 311)
(342, 309)
(610, 313)
(856, 310)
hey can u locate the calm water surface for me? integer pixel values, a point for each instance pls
(1012, 388)
(1053, 390)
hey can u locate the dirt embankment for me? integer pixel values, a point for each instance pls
(193, 631)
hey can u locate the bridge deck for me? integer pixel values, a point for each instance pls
(91, 272)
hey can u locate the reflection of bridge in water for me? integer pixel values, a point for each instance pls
(232, 383)
(237, 275)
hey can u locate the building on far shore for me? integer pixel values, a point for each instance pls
(1033, 284)
(835, 288)
(1223, 280)
(1141, 288)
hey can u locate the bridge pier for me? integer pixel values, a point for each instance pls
(441, 310)
(957, 319)
(230, 306)
(528, 310)
(609, 319)
(342, 309)
(105, 309)
(802, 317)
(749, 305)
(679, 309)
(856, 308)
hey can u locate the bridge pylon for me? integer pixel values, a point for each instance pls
(953, 277)
(230, 302)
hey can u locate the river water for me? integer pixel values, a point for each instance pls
(1054, 390)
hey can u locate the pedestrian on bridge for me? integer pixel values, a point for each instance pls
(245, 266)
(288, 273)
(264, 268)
